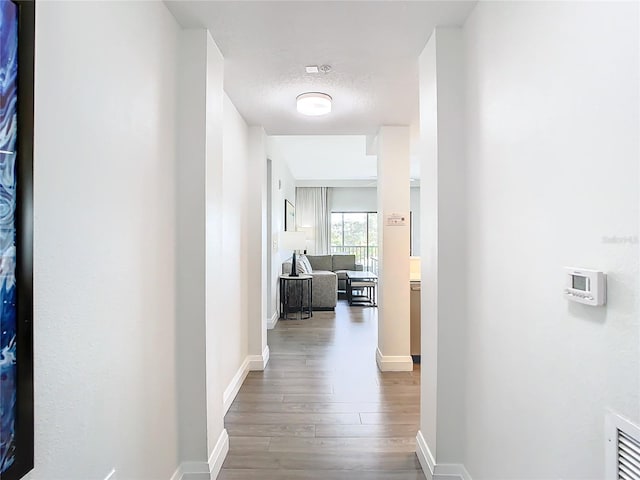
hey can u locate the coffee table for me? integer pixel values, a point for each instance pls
(364, 284)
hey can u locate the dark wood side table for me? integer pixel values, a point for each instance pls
(295, 296)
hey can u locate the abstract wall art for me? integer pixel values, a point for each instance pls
(16, 242)
(289, 217)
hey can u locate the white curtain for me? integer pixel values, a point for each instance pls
(313, 217)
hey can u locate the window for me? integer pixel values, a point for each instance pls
(356, 233)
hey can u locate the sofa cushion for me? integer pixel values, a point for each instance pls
(325, 289)
(321, 262)
(344, 262)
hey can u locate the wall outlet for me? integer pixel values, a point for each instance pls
(111, 475)
(275, 244)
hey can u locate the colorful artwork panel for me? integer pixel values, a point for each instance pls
(8, 138)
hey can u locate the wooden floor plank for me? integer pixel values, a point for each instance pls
(405, 398)
(343, 445)
(246, 397)
(249, 444)
(283, 382)
(389, 418)
(322, 461)
(325, 407)
(243, 474)
(321, 410)
(292, 418)
(280, 430)
(266, 388)
(367, 431)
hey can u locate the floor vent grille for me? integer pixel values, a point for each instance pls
(623, 449)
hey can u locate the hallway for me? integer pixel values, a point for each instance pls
(321, 409)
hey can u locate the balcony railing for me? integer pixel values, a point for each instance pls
(365, 256)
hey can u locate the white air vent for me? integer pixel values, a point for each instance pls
(628, 457)
(623, 449)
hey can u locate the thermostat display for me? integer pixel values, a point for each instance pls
(585, 286)
(579, 282)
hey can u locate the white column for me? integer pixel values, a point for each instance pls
(393, 353)
(191, 255)
(443, 247)
(217, 438)
(257, 253)
(202, 438)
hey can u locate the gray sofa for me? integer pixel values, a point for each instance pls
(329, 276)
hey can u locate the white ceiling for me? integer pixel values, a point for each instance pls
(373, 47)
(326, 157)
(329, 160)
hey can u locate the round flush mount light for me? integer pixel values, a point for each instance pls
(314, 103)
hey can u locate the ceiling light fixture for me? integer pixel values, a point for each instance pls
(314, 103)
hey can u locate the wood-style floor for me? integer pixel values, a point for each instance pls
(322, 410)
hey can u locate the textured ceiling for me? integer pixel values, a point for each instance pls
(373, 47)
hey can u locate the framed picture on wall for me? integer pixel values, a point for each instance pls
(17, 25)
(289, 217)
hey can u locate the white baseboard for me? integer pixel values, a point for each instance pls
(177, 475)
(257, 363)
(438, 471)
(192, 471)
(205, 470)
(401, 363)
(271, 322)
(234, 386)
(251, 363)
(219, 454)
(425, 458)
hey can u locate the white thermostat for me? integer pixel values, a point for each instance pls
(396, 219)
(585, 286)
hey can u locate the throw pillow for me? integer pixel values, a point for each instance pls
(300, 268)
(306, 266)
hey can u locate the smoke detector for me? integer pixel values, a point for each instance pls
(317, 69)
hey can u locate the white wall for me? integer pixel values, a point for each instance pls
(214, 122)
(191, 236)
(105, 146)
(428, 95)
(444, 246)
(232, 310)
(283, 187)
(258, 251)
(213, 251)
(552, 91)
